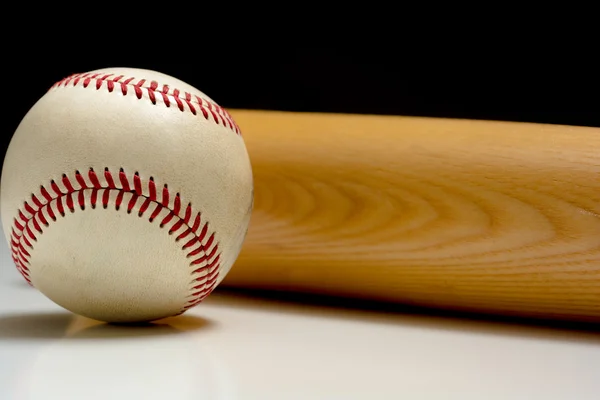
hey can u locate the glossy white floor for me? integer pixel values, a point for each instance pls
(234, 347)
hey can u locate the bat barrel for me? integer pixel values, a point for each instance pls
(484, 216)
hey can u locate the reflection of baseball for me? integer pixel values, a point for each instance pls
(126, 195)
(101, 362)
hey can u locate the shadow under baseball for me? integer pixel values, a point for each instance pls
(52, 326)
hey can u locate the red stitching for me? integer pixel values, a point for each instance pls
(34, 216)
(182, 100)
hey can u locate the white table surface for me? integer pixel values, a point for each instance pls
(239, 347)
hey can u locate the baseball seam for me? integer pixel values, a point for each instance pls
(153, 92)
(199, 242)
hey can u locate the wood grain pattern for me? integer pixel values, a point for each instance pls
(473, 215)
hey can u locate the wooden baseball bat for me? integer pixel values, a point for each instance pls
(483, 216)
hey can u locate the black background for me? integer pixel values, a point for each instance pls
(505, 87)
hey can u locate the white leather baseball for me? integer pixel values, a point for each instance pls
(126, 195)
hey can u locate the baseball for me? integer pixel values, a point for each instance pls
(126, 195)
